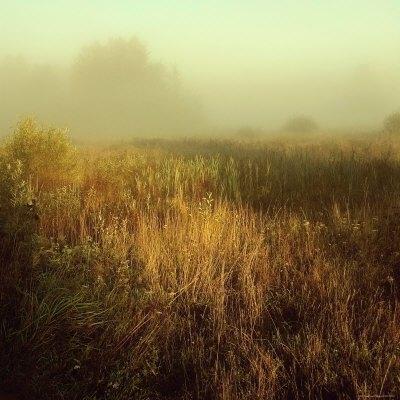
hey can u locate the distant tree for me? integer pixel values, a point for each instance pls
(118, 89)
(300, 124)
(111, 89)
(391, 125)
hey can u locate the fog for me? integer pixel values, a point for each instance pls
(125, 70)
(109, 90)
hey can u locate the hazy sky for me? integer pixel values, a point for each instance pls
(234, 54)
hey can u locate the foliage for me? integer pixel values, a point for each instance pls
(46, 155)
(300, 125)
(205, 270)
(115, 77)
(392, 124)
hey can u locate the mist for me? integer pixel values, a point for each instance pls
(142, 71)
(109, 90)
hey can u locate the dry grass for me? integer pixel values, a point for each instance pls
(200, 270)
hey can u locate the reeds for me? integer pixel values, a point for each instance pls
(226, 271)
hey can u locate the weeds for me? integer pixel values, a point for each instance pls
(222, 271)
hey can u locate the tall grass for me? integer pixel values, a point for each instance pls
(199, 270)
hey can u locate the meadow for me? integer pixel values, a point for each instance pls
(199, 269)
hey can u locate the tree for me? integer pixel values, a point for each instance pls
(117, 90)
(391, 124)
(111, 89)
(301, 124)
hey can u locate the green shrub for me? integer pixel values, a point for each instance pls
(47, 156)
(15, 197)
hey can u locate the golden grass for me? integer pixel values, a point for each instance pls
(202, 270)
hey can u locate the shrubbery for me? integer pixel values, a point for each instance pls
(46, 155)
(392, 124)
(300, 125)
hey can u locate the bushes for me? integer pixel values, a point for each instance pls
(33, 158)
(391, 124)
(47, 157)
(15, 197)
(300, 125)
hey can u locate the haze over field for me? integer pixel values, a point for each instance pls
(156, 67)
(221, 218)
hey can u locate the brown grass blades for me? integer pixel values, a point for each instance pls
(199, 270)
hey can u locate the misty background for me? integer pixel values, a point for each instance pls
(155, 68)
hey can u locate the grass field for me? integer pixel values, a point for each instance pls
(199, 269)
